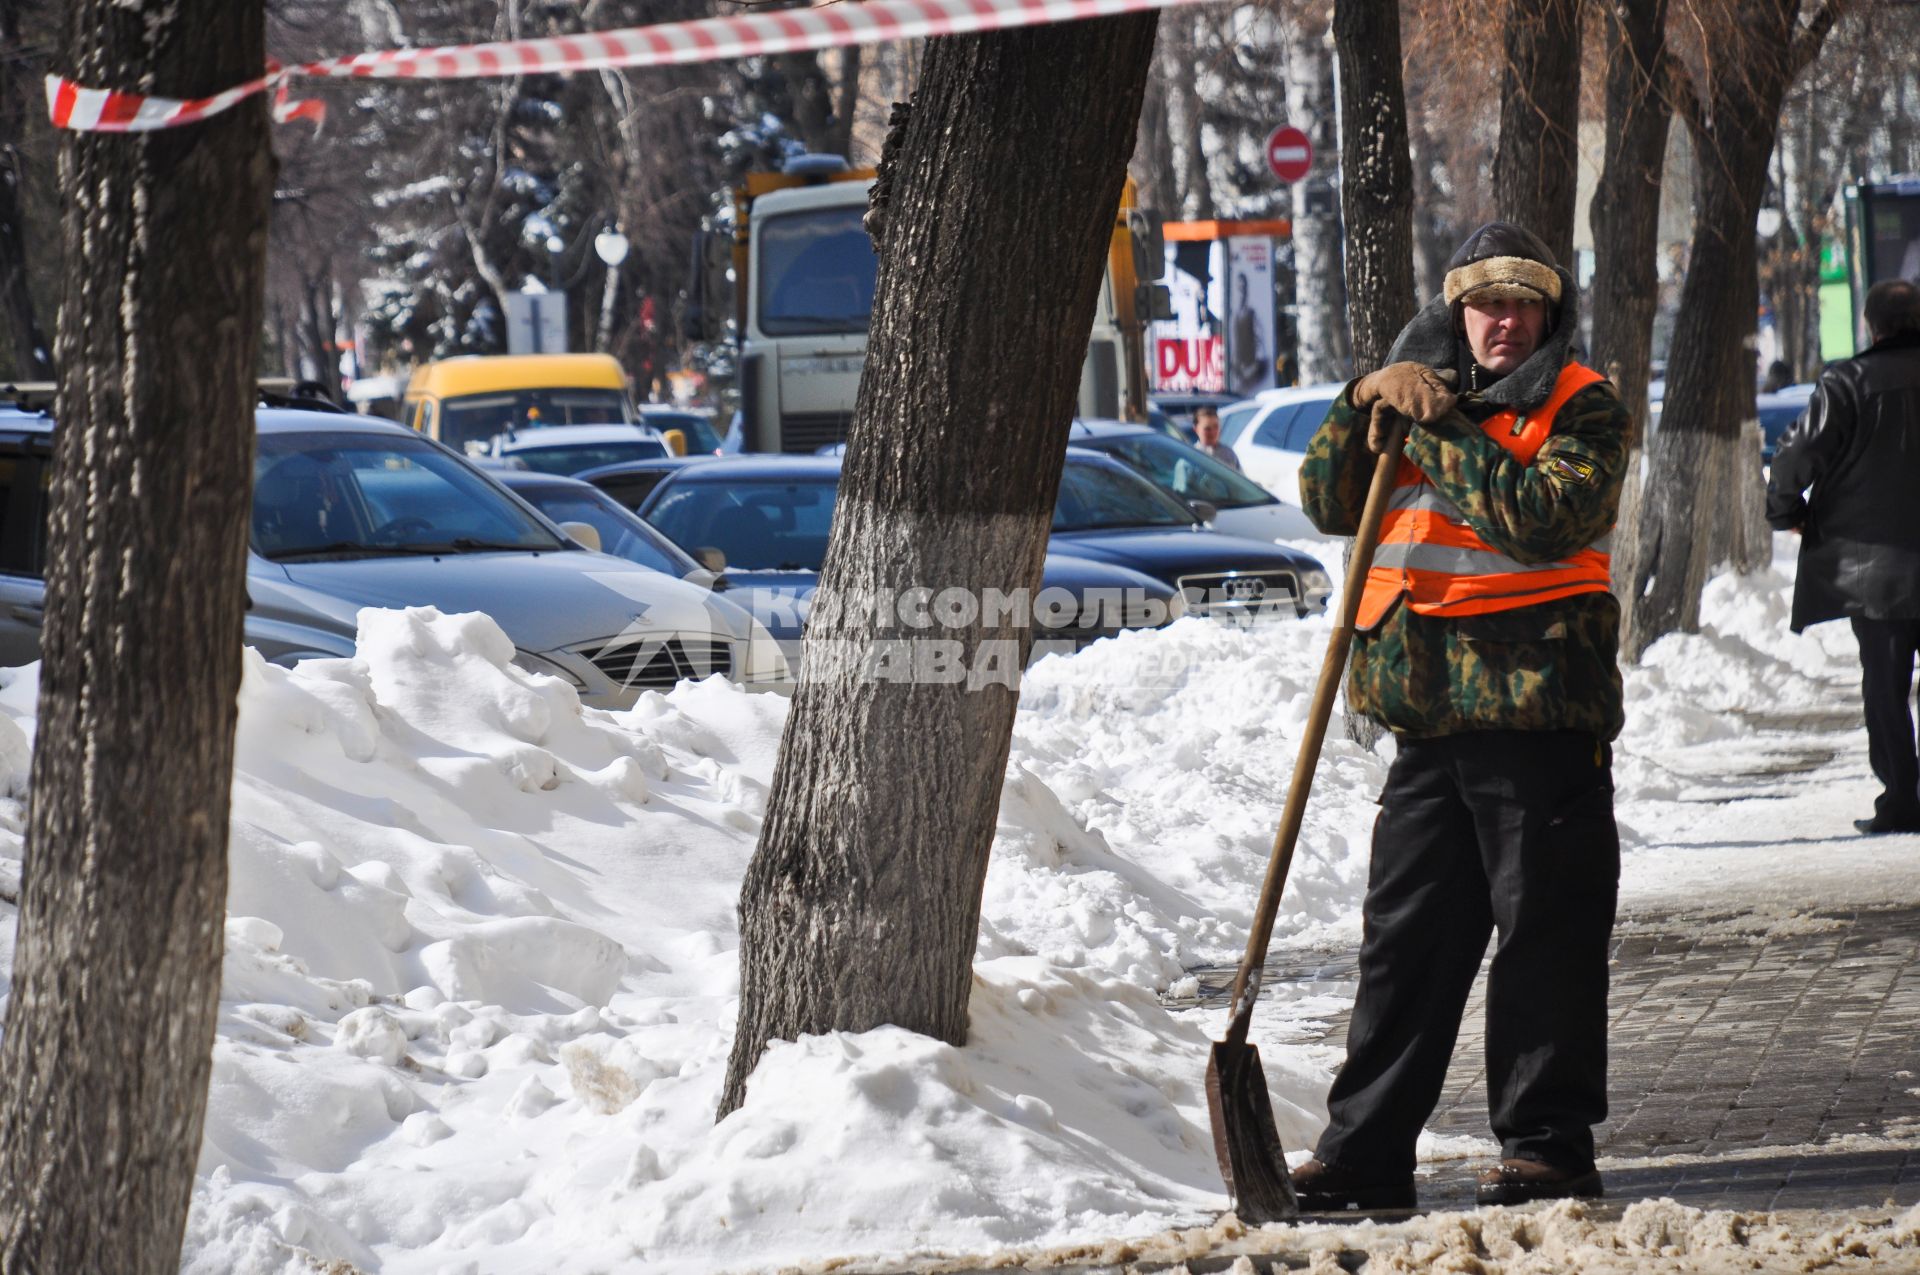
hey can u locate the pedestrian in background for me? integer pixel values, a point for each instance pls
(1206, 428)
(1487, 641)
(1858, 449)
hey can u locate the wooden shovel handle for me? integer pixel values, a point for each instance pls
(1338, 644)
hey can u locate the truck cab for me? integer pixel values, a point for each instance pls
(803, 276)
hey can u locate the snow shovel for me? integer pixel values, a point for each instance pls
(1244, 1136)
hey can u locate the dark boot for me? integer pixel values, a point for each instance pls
(1519, 1181)
(1331, 1188)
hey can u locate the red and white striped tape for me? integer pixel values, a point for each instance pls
(701, 40)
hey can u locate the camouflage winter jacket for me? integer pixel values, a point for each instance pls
(1551, 666)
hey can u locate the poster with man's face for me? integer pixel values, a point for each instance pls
(1250, 315)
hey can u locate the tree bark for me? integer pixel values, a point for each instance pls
(1376, 176)
(1376, 198)
(22, 341)
(995, 210)
(1626, 232)
(1695, 507)
(117, 977)
(1534, 167)
(1320, 286)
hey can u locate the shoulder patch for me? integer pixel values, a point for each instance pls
(1574, 469)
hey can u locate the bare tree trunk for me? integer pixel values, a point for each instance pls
(1376, 198)
(996, 197)
(116, 986)
(1694, 504)
(22, 342)
(1188, 117)
(1626, 231)
(846, 102)
(1320, 286)
(1794, 271)
(1534, 168)
(1376, 176)
(1152, 165)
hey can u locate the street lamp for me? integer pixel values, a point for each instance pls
(611, 247)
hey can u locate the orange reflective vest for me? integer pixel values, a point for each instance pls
(1429, 553)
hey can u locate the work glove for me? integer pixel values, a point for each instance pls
(1412, 390)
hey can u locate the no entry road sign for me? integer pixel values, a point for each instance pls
(1289, 153)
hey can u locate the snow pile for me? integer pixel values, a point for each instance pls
(481, 968)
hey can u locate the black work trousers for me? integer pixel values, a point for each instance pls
(1507, 831)
(1887, 651)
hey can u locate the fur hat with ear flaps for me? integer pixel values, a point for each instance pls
(1498, 260)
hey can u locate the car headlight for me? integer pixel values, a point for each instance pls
(1315, 584)
(528, 662)
(764, 660)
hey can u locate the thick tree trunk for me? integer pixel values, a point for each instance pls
(24, 353)
(995, 209)
(1695, 506)
(1534, 167)
(1376, 176)
(117, 974)
(1376, 198)
(1626, 231)
(1320, 285)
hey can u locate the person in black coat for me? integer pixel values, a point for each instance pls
(1858, 448)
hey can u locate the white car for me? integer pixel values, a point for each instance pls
(569, 449)
(1270, 433)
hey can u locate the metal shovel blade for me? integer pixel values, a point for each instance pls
(1244, 1136)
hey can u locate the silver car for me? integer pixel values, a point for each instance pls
(349, 512)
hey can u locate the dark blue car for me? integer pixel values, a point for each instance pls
(769, 517)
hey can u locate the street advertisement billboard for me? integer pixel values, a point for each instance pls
(1250, 315)
(1189, 351)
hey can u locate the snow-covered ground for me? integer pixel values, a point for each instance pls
(481, 968)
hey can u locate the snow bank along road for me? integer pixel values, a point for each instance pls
(480, 972)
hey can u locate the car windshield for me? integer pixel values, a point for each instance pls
(701, 439)
(1094, 496)
(478, 417)
(325, 495)
(1187, 473)
(622, 534)
(817, 272)
(760, 525)
(567, 459)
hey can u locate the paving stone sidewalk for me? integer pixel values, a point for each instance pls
(1748, 1069)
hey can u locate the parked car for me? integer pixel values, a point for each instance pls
(695, 427)
(468, 400)
(1240, 506)
(764, 520)
(772, 515)
(1778, 412)
(1271, 432)
(351, 512)
(569, 449)
(1109, 513)
(631, 482)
